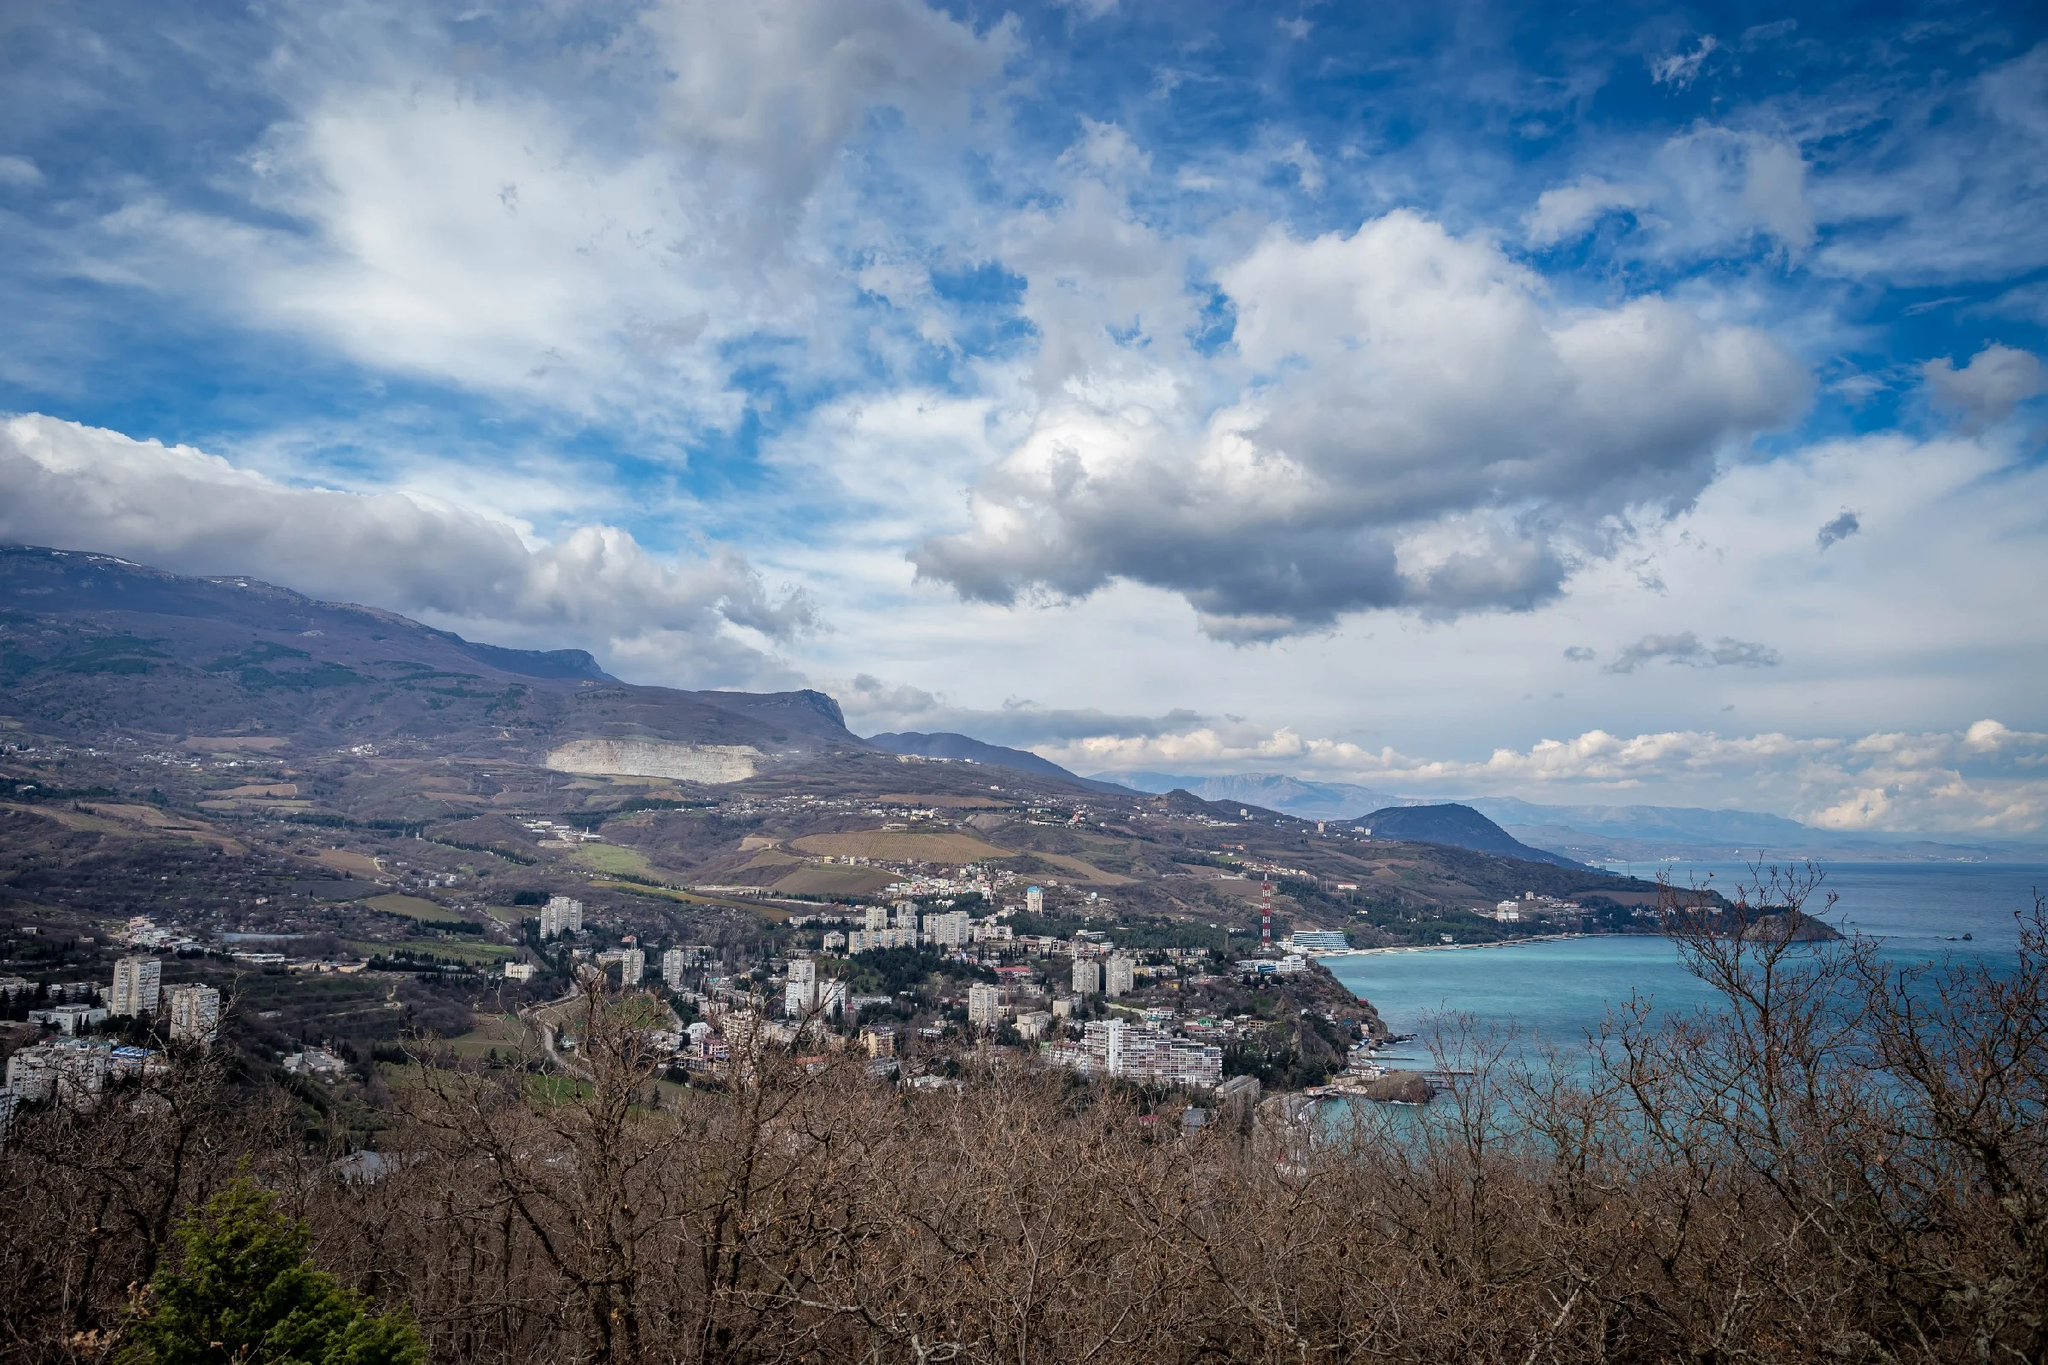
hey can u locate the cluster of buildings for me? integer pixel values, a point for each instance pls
(74, 1067)
(1533, 906)
(1142, 1053)
(561, 915)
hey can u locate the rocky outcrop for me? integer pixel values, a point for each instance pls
(1401, 1087)
(1791, 927)
(656, 758)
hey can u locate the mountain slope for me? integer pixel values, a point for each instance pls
(1682, 824)
(96, 648)
(1460, 827)
(945, 744)
(1275, 791)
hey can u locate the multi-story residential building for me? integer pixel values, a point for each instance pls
(877, 918)
(137, 983)
(672, 966)
(1087, 976)
(863, 940)
(561, 915)
(948, 929)
(521, 971)
(1118, 975)
(71, 1070)
(1034, 900)
(984, 1005)
(800, 996)
(194, 1014)
(1033, 1025)
(832, 997)
(1115, 1047)
(880, 1042)
(1319, 941)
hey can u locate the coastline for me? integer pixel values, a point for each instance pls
(1461, 947)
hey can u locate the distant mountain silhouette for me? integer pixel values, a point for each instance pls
(1275, 791)
(946, 744)
(1458, 826)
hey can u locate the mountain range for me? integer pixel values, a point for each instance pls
(92, 645)
(1274, 791)
(1457, 825)
(1587, 833)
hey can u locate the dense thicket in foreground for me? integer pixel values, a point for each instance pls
(1845, 1163)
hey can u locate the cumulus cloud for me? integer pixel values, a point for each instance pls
(1839, 529)
(178, 508)
(1986, 779)
(875, 707)
(1984, 392)
(19, 171)
(1686, 649)
(1416, 426)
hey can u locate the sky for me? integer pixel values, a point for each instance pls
(1634, 403)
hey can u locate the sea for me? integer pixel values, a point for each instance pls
(1559, 992)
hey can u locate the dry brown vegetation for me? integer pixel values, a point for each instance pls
(1844, 1164)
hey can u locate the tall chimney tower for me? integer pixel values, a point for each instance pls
(1266, 915)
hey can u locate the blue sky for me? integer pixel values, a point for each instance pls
(1640, 403)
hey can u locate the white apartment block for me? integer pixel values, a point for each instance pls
(984, 1005)
(1115, 1047)
(862, 940)
(137, 983)
(194, 1014)
(1087, 976)
(1119, 974)
(561, 915)
(672, 966)
(948, 929)
(800, 996)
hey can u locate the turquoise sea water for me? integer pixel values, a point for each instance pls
(1559, 991)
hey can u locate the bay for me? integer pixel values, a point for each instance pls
(1559, 991)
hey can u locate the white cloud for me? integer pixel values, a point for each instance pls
(692, 620)
(1565, 211)
(874, 707)
(1414, 424)
(600, 241)
(1985, 780)
(20, 172)
(1985, 391)
(1705, 192)
(1934, 183)
(1681, 69)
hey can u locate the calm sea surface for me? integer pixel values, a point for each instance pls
(1558, 991)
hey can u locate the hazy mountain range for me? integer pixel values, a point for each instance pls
(1587, 833)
